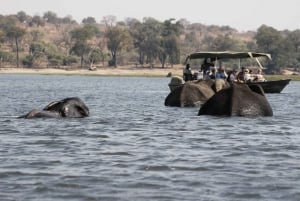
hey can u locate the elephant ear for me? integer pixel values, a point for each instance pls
(219, 104)
(257, 89)
(173, 99)
(74, 107)
(53, 106)
(195, 93)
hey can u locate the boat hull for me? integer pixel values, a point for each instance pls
(273, 86)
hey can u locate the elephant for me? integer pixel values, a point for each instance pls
(175, 82)
(194, 93)
(69, 107)
(238, 100)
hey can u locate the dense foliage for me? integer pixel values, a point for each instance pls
(50, 41)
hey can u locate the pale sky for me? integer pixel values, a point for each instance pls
(240, 14)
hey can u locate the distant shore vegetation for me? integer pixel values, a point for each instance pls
(51, 42)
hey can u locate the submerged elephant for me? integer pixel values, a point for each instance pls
(238, 100)
(194, 93)
(68, 107)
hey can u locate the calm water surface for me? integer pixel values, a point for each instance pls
(132, 147)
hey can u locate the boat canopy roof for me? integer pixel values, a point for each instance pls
(226, 55)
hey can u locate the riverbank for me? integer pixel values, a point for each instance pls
(120, 71)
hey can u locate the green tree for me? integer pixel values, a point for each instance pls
(80, 48)
(22, 16)
(95, 56)
(223, 43)
(172, 49)
(294, 37)
(38, 21)
(118, 39)
(109, 20)
(50, 17)
(169, 45)
(36, 54)
(138, 37)
(89, 20)
(291, 49)
(67, 20)
(53, 55)
(2, 34)
(64, 41)
(267, 39)
(146, 38)
(6, 23)
(270, 40)
(81, 37)
(16, 33)
(190, 43)
(35, 35)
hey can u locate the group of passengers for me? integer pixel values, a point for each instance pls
(245, 75)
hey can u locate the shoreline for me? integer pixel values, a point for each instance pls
(120, 71)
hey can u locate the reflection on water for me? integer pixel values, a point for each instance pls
(132, 147)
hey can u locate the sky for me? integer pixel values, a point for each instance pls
(239, 14)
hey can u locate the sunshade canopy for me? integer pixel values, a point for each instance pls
(226, 55)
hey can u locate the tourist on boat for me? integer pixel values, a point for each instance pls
(232, 76)
(187, 73)
(207, 75)
(259, 77)
(247, 76)
(221, 74)
(241, 75)
(213, 74)
(207, 63)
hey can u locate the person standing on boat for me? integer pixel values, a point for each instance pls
(187, 73)
(206, 66)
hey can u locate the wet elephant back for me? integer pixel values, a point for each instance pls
(196, 93)
(246, 102)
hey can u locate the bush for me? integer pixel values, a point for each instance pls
(56, 60)
(69, 60)
(28, 61)
(6, 56)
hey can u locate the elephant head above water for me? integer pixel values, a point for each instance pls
(238, 100)
(194, 93)
(69, 107)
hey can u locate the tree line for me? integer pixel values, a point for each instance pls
(50, 41)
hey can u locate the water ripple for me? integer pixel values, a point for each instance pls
(132, 147)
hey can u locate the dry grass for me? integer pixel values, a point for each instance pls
(120, 71)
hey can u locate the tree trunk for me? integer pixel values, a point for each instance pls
(17, 46)
(115, 60)
(81, 61)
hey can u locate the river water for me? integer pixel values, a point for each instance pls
(132, 147)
